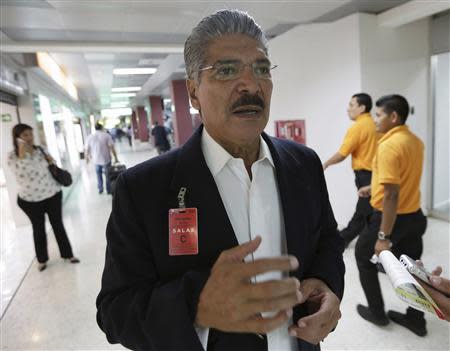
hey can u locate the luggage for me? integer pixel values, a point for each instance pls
(113, 172)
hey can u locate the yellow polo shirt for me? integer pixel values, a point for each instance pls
(398, 160)
(361, 142)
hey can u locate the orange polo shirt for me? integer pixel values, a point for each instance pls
(361, 142)
(398, 160)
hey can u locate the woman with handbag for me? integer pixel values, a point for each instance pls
(38, 193)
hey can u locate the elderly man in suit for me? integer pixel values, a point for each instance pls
(229, 242)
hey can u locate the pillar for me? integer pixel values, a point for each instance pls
(134, 125)
(156, 109)
(142, 123)
(182, 120)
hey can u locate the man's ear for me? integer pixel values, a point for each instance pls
(363, 109)
(395, 118)
(192, 88)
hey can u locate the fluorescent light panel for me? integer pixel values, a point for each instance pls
(119, 104)
(119, 95)
(129, 71)
(125, 89)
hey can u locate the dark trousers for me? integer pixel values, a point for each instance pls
(406, 239)
(363, 208)
(36, 212)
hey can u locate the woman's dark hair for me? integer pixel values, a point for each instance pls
(16, 131)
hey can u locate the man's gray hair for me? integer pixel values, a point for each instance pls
(220, 23)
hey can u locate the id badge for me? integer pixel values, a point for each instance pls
(183, 231)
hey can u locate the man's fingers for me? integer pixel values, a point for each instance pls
(271, 305)
(440, 283)
(261, 325)
(437, 271)
(238, 253)
(263, 265)
(271, 288)
(437, 296)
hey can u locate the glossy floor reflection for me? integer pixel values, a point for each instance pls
(55, 309)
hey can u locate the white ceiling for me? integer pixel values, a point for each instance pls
(117, 28)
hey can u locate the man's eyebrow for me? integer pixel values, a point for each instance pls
(226, 61)
(263, 60)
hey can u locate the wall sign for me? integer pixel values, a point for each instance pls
(292, 130)
(6, 117)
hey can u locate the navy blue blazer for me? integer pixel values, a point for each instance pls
(148, 299)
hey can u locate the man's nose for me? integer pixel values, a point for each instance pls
(247, 81)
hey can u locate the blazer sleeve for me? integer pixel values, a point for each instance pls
(328, 263)
(134, 307)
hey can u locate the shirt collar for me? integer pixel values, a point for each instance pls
(363, 115)
(217, 157)
(401, 128)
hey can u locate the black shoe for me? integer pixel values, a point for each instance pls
(418, 327)
(100, 191)
(73, 260)
(41, 266)
(368, 315)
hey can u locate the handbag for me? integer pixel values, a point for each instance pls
(62, 176)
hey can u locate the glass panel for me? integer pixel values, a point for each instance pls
(441, 131)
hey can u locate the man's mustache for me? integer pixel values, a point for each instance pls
(246, 100)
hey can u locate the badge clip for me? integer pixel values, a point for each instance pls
(181, 195)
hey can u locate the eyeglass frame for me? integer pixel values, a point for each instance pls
(213, 66)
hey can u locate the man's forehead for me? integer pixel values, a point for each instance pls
(234, 46)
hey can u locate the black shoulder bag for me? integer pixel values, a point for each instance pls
(62, 176)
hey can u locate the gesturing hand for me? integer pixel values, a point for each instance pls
(323, 305)
(230, 302)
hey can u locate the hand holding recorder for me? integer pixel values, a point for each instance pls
(435, 285)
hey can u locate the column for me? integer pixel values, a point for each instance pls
(134, 125)
(182, 120)
(142, 123)
(156, 109)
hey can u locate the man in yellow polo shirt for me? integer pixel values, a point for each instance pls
(397, 223)
(361, 142)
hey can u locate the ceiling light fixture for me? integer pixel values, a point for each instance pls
(123, 95)
(129, 71)
(119, 104)
(125, 89)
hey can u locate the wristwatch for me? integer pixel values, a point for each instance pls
(383, 236)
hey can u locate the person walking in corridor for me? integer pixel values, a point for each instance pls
(99, 147)
(397, 222)
(160, 139)
(38, 194)
(360, 142)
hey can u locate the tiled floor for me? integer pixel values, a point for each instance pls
(55, 309)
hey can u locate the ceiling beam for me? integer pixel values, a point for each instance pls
(165, 70)
(85, 47)
(411, 11)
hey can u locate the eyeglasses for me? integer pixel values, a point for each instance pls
(229, 70)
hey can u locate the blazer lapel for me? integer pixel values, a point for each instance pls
(214, 228)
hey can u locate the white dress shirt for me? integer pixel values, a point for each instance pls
(254, 208)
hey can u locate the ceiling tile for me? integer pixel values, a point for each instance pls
(29, 17)
(35, 34)
(26, 3)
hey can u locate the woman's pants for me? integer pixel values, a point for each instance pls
(36, 212)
